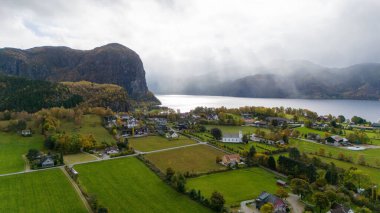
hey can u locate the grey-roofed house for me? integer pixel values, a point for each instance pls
(279, 206)
(47, 162)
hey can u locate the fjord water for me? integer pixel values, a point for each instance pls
(369, 110)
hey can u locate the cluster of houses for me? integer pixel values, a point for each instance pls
(127, 125)
(238, 138)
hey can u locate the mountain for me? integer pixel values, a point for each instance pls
(110, 64)
(299, 79)
(21, 94)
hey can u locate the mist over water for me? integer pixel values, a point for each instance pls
(370, 110)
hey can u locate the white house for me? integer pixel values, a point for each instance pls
(132, 123)
(172, 135)
(233, 138)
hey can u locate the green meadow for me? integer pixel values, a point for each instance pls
(236, 186)
(91, 124)
(371, 155)
(12, 147)
(127, 185)
(151, 143)
(194, 159)
(38, 192)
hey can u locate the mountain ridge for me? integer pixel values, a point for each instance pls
(298, 80)
(111, 64)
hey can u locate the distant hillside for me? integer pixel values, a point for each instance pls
(111, 64)
(299, 80)
(20, 94)
(101, 95)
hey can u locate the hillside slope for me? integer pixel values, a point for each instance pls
(20, 94)
(100, 95)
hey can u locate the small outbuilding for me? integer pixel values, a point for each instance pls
(26, 133)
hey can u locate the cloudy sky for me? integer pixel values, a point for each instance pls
(178, 37)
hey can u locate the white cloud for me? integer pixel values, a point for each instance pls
(179, 37)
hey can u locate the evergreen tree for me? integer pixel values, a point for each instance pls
(272, 163)
(217, 201)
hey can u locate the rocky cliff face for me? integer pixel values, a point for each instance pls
(112, 63)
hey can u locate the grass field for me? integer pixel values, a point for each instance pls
(236, 186)
(91, 124)
(127, 185)
(372, 172)
(194, 159)
(12, 147)
(151, 143)
(260, 147)
(76, 158)
(371, 155)
(42, 191)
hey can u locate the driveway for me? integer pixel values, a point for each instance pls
(295, 203)
(248, 209)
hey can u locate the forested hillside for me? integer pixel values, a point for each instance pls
(20, 94)
(100, 95)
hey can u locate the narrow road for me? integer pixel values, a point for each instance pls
(79, 192)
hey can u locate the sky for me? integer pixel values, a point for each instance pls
(177, 38)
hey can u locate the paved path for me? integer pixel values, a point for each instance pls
(295, 203)
(79, 192)
(27, 165)
(23, 172)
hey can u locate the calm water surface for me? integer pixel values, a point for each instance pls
(369, 110)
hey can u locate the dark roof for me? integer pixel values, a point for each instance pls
(277, 118)
(263, 195)
(339, 208)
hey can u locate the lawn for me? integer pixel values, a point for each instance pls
(76, 158)
(127, 185)
(235, 129)
(371, 155)
(194, 159)
(305, 130)
(91, 124)
(236, 186)
(12, 147)
(374, 138)
(151, 143)
(42, 191)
